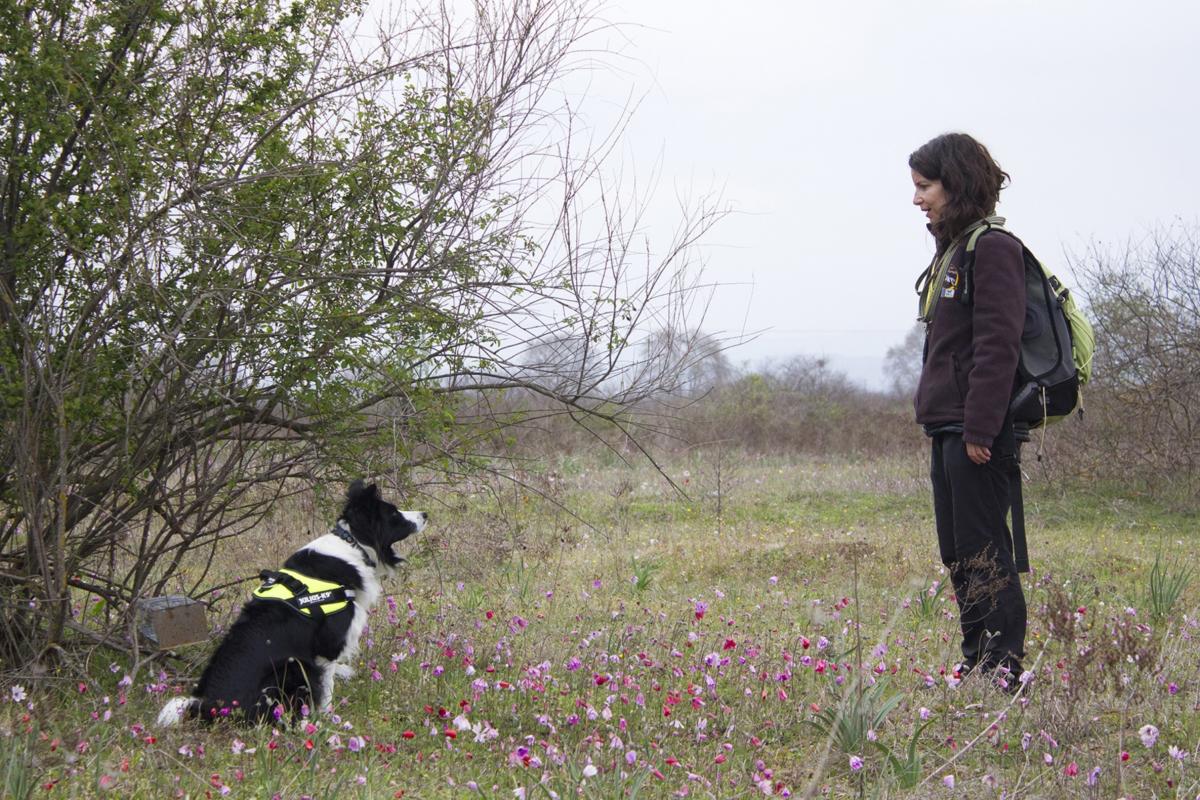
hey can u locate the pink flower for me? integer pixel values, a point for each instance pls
(701, 608)
(948, 781)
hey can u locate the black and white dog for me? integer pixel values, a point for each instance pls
(302, 626)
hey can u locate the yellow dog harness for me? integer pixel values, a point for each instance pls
(312, 597)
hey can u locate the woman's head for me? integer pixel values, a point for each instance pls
(957, 183)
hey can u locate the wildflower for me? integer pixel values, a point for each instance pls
(631, 757)
(1148, 735)
(948, 781)
(1071, 770)
(923, 712)
(18, 694)
(856, 763)
(701, 608)
(590, 770)
(1173, 688)
(355, 743)
(774, 579)
(1093, 777)
(1177, 754)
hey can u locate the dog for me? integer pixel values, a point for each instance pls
(302, 626)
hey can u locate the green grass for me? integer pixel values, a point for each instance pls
(518, 652)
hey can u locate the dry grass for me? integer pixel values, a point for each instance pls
(638, 646)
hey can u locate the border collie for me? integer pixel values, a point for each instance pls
(278, 654)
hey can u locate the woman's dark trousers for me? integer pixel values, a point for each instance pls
(971, 503)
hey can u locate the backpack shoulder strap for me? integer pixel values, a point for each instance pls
(993, 223)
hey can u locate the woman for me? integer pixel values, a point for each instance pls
(974, 310)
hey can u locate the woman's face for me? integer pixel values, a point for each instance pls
(929, 196)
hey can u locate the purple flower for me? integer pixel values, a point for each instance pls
(856, 763)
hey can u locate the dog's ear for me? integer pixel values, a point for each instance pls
(360, 490)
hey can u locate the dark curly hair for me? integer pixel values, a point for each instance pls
(970, 176)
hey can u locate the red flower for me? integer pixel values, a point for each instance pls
(600, 679)
(450, 733)
(720, 758)
(408, 734)
(308, 744)
(730, 644)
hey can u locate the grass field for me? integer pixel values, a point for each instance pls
(596, 634)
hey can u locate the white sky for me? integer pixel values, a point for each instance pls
(803, 114)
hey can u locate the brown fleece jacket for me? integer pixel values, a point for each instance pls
(971, 351)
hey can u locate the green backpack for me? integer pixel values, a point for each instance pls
(1057, 341)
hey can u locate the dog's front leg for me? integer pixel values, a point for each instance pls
(324, 699)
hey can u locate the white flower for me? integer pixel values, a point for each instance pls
(590, 771)
(18, 694)
(1148, 734)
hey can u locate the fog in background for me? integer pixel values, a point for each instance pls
(801, 115)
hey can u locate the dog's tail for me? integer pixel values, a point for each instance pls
(176, 709)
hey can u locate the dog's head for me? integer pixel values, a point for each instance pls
(377, 524)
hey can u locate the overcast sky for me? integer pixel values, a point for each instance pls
(803, 114)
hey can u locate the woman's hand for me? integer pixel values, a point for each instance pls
(978, 453)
